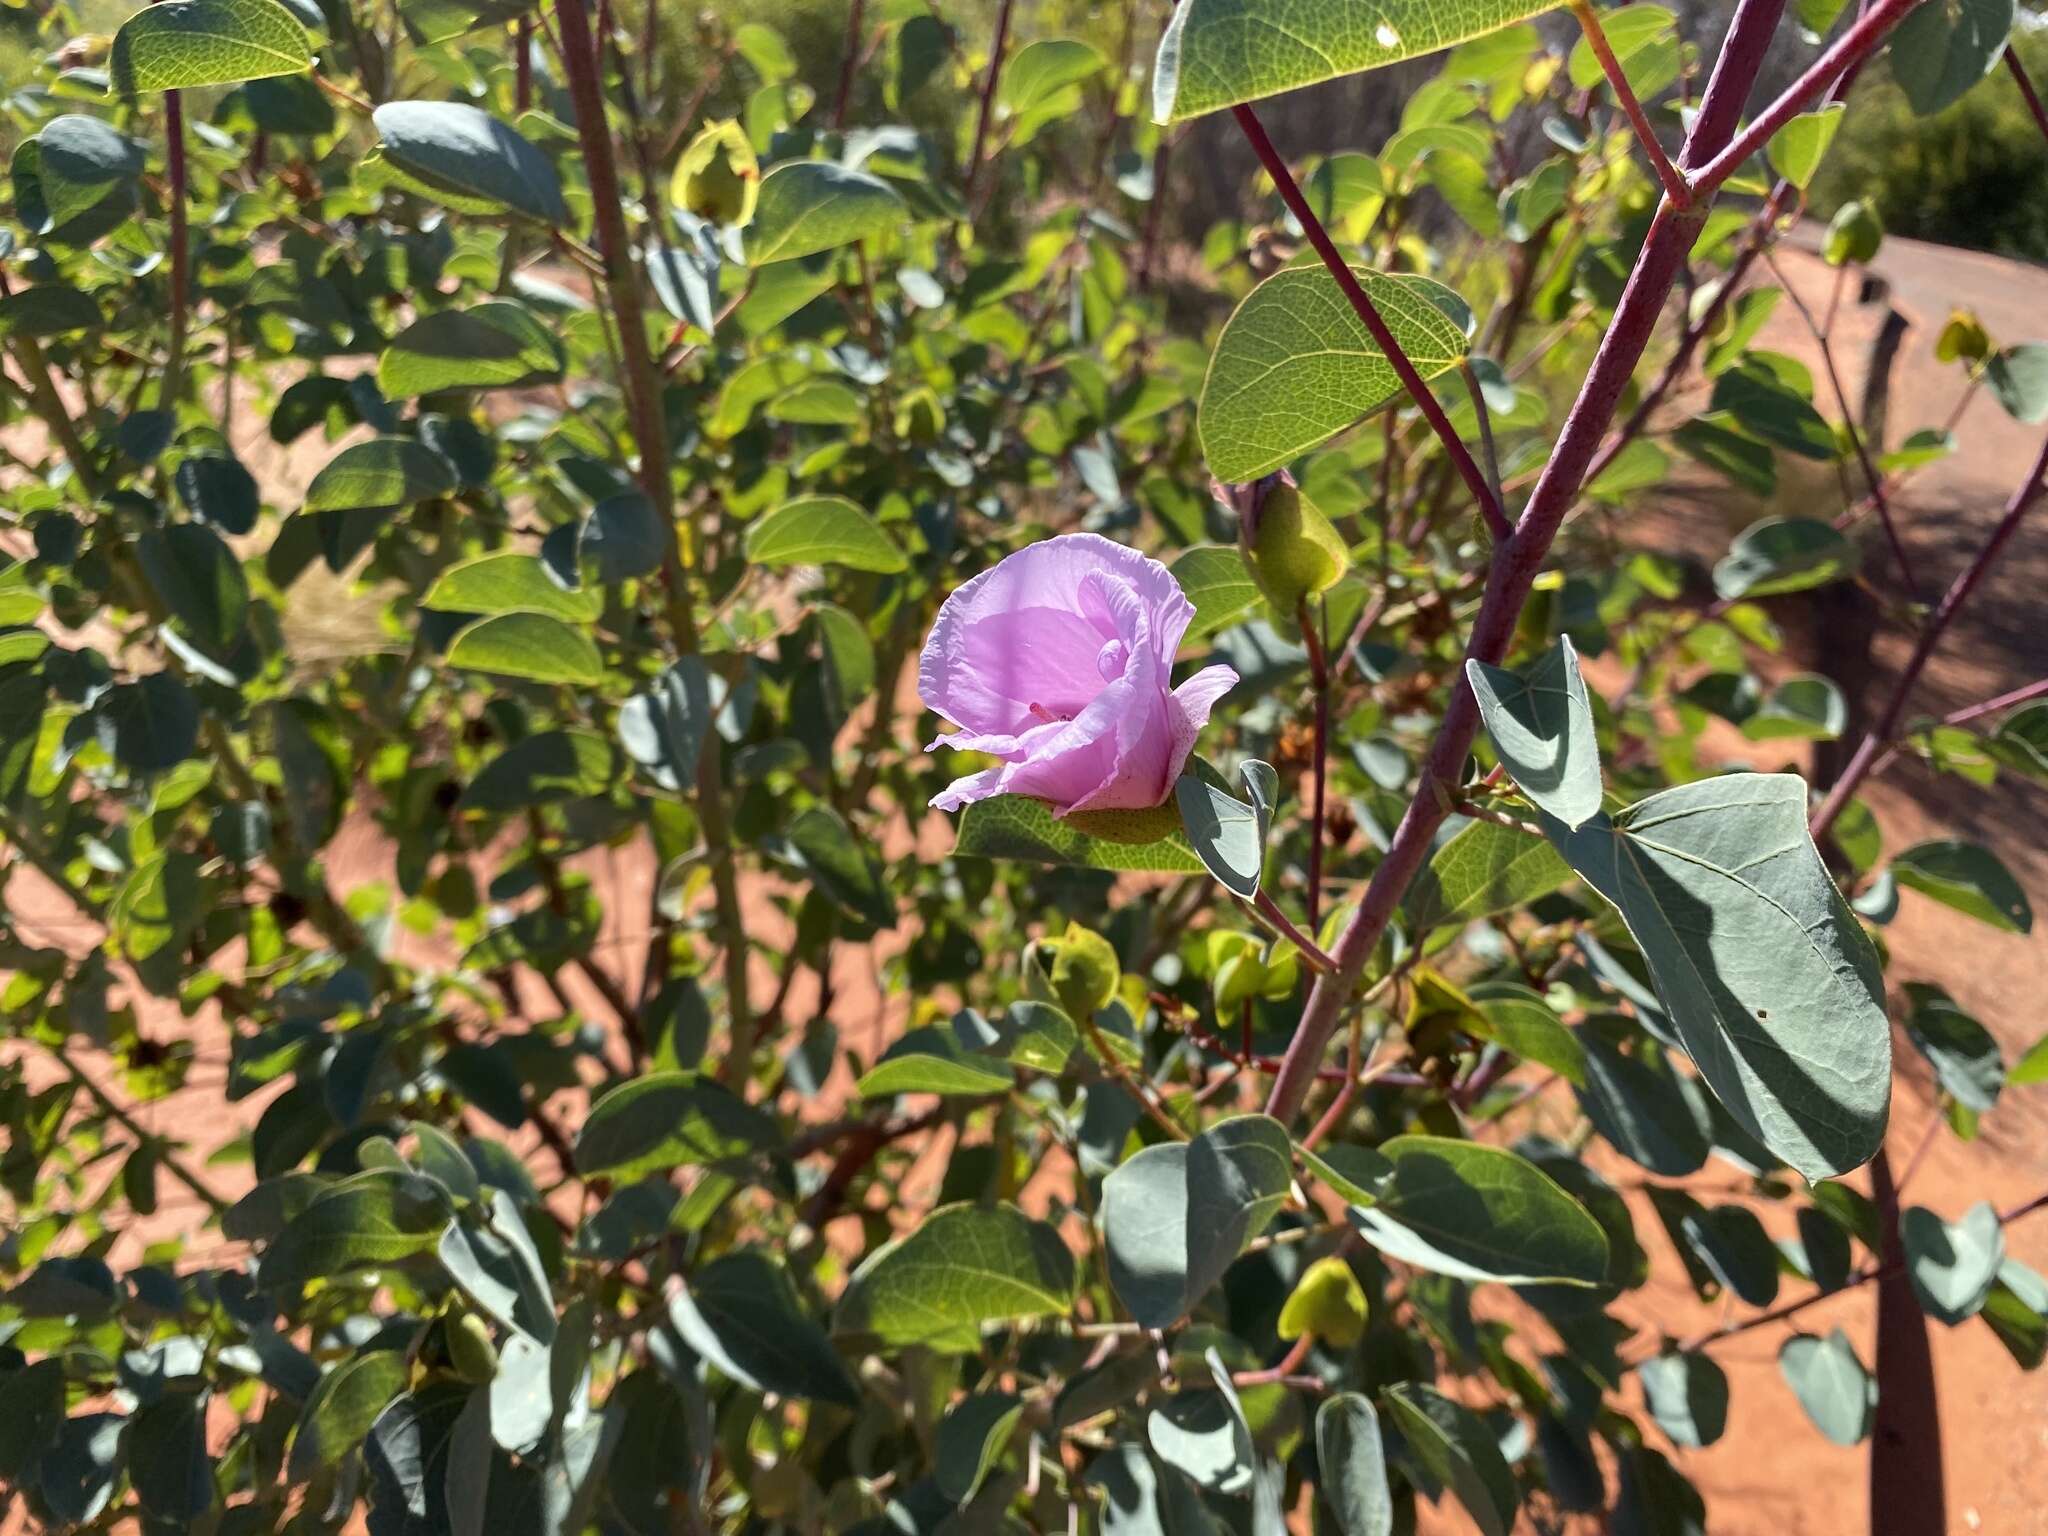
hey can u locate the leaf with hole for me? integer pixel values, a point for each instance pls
(1217, 53)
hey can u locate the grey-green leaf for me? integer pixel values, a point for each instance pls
(380, 1217)
(1688, 1396)
(464, 151)
(1217, 53)
(963, 1268)
(1295, 365)
(1229, 834)
(808, 206)
(1831, 1384)
(1952, 1265)
(1542, 726)
(184, 43)
(1354, 1466)
(1457, 1448)
(668, 1120)
(971, 1439)
(1483, 869)
(1939, 51)
(1480, 1212)
(342, 1409)
(1175, 1216)
(1769, 980)
(742, 1313)
(1784, 554)
(1969, 877)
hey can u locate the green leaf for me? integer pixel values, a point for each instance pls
(1797, 149)
(1767, 976)
(199, 580)
(1018, 827)
(1295, 365)
(384, 472)
(374, 1218)
(463, 151)
(1714, 440)
(1327, 1303)
(167, 1462)
(150, 725)
(1480, 1212)
(2018, 380)
(1354, 1466)
(1831, 1384)
(1542, 726)
(1459, 1451)
(1227, 834)
(824, 846)
(541, 769)
(1218, 582)
(499, 345)
(1939, 51)
(970, 1441)
(1784, 554)
(1519, 1020)
(1481, 870)
(1202, 1433)
(2032, 1067)
(1952, 1265)
(1042, 69)
(2017, 1311)
(742, 1313)
(1688, 1397)
(529, 645)
(1964, 1054)
(1854, 234)
(1804, 707)
(963, 1268)
(668, 1120)
(510, 583)
(1356, 1173)
(183, 43)
(82, 162)
(663, 729)
(824, 530)
(217, 489)
(43, 310)
(1970, 878)
(808, 206)
(1217, 53)
(933, 1059)
(1175, 1216)
(342, 1408)
(2021, 742)
(1775, 406)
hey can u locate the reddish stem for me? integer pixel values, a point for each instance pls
(1596, 39)
(181, 275)
(1847, 51)
(849, 62)
(1992, 706)
(1517, 561)
(988, 107)
(1319, 679)
(1886, 729)
(2027, 91)
(1367, 311)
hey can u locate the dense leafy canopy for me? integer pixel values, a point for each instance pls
(496, 1037)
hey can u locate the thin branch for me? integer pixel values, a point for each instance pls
(1367, 311)
(848, 63)
(1872, 478)
(988, 106)
(1882, 734)
(181, 256)
(1516, 562)
(1847, 51)
(1496, 510)
(1269, 912)
(1319, 680)
(1993, 706)
(2027, 91)
(1596, 39)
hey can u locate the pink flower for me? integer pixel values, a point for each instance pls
(1059, 661)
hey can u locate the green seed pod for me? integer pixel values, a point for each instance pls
(1293, 551)
(470, 1350)
(1078, 971)
(718, 177)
